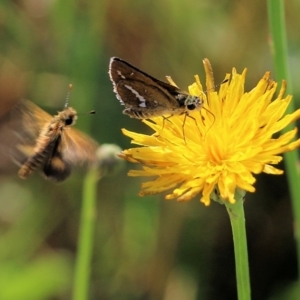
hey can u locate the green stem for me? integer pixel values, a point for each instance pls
(237, 220)
(278, 42)
(86, 235)
(280, 54)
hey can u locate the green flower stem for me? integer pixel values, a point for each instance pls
(86, 236)
(280, 54)
(237, 220)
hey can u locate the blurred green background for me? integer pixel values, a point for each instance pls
(145, 248)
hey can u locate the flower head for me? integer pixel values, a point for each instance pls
(222, 146)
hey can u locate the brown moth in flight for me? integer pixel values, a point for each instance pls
(36, 140)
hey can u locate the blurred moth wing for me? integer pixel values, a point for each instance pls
(39, 141)
(145, 96)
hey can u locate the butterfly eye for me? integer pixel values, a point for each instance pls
(69, 121)
(191, 106)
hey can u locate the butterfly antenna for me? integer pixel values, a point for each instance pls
(68, 95)
(91, 112)
(217, 85)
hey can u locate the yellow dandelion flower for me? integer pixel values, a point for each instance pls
(222, 146)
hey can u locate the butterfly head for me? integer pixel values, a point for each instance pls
(189, 102)
(193, 102)
(69, 116)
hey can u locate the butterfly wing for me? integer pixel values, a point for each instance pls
(69, 149)
(78, 148)
(143, 95)
(19, 129)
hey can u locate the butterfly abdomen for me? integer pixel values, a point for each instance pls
(32, 163)
(56, 168)
(43, 149)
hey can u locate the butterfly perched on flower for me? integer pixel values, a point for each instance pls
(145, 96)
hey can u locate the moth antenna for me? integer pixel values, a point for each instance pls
(216, 85)
(91, 112)
(68, 95)
(187, 115)
(224, 81)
